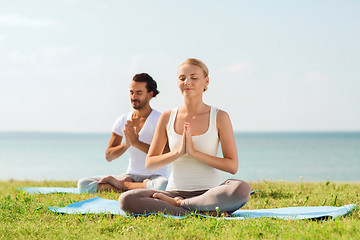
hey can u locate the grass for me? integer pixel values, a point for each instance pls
(25, 216)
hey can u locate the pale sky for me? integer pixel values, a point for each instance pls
(274, 65)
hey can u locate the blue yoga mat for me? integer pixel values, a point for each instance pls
(46, 190)
(99, 205)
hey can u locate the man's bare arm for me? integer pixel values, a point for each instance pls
(115, 149)
(132, 137)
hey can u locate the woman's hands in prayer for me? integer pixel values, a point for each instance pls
(187, 145)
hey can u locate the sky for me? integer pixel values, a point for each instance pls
(66, 65)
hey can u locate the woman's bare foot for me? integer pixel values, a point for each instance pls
(173, 201)
(176, 201)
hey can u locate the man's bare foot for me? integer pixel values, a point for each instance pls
(173, 201)
(105, 187)
(117, 183)
(107, 179)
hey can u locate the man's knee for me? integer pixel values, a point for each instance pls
(87, 185)
(159, 183)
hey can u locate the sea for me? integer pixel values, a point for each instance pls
(269, 156)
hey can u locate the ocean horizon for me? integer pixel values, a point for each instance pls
(272, 156)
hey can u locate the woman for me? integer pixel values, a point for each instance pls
(193, 131)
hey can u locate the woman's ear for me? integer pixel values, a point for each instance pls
(206, 83)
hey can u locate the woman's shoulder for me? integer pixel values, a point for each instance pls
(222, 117)
(220, 113)
(165, 116)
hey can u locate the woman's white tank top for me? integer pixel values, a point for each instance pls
(189, 174)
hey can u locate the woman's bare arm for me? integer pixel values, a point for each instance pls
(229, 161)
(156, 157)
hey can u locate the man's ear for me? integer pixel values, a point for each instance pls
(151, 94)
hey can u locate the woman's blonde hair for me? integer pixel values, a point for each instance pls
(197, 62)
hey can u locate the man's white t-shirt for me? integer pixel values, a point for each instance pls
(136, 157)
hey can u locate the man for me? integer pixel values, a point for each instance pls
(137, 130)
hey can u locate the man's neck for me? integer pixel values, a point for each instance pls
(142, 113)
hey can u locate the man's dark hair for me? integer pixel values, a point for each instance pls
(151, 85)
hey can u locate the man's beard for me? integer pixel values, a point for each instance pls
(139, 104)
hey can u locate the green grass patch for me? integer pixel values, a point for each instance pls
(25, 216)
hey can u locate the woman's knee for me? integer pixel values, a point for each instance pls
(126, 200)
(130, 201)
(240, 189)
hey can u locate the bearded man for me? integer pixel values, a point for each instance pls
(132, 132)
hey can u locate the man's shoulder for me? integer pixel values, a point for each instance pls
(155, 115)
(155, 112)
(123, 117)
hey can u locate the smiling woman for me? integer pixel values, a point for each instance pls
(193, 74)
(193, 132)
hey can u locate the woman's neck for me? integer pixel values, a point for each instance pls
(194, 106)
